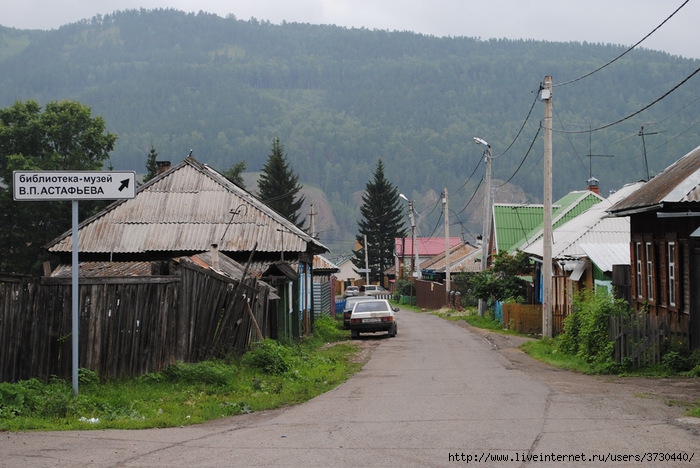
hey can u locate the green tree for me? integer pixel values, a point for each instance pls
(235, 173)
(382, 222)
(62, 136)
(151, 165)
(278, 185)
(502, 281)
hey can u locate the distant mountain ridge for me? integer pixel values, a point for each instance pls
(341, 98)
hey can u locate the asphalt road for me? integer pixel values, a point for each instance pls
(438, 394)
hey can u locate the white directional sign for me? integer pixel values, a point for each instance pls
(73, 185)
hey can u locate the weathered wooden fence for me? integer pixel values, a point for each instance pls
(430, 295)
(523, 318)
(127, 326)
(641, 339)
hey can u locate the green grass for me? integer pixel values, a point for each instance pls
(545, 350)
(272, 375)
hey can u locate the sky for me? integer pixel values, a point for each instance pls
(619, 22)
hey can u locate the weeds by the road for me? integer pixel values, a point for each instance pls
(271, 375)
(551, 351)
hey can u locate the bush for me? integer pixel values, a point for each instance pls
(269, 356)
(586, 328)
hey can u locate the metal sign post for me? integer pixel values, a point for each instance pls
(74, 186)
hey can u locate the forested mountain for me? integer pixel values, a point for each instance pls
(340, 98)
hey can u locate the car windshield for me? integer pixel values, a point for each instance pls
(371, 306)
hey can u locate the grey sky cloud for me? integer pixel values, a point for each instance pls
(622, 22)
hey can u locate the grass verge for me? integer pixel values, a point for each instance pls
(546, 350)
(271, 375)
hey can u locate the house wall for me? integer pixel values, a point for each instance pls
(660, 252)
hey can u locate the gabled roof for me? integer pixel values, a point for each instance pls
(426, 246)
(676, 187)
(592, 227)
(564, 210)
(322, 264)
(187, 209)
(459, 256)
(512, 223)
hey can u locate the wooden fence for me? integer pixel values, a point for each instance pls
(523, 318)
(642, 339)
(430, 295)
(128, 326)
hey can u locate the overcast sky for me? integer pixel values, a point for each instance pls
(622, 22)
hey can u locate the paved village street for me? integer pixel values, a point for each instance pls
(439, 394)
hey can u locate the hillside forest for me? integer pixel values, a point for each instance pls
(339, 99)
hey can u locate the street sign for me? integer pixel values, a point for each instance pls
(364, 270)
(73, 185)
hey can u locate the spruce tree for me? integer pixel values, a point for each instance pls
(278, 185)
(382, 222)
(151, 165)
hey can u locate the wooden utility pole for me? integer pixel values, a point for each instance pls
(447, 247)
(546, 97)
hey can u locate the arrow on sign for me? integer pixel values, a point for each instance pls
(125, 184)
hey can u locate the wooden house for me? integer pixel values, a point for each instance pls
(191, 208)
(585, 250)
(665, 245)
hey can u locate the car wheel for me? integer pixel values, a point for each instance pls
(354, 334)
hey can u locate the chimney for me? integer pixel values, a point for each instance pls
(215, 257)
(593, 185)
(162, 166)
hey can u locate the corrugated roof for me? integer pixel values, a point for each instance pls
(322, 263)
(457, 255)
(565, 209)
(426, 246)
(678, 184)
(607, 255)
(592, 226)
(512, 223)
(186, 209)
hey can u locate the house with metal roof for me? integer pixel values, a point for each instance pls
(191, 208)
(665, 245)
(426, 248)
(585, 250)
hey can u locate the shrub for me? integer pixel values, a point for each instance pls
(586, 329)
(269, 356)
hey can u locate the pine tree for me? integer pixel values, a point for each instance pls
(278, 185)
(382, 222)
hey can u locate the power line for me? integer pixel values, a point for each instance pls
(637, 112)
(626, 51)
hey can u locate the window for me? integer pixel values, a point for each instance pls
(672, 274)
(648, 256)
(638, 276)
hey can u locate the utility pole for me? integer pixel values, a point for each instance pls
(546, 97)
(312, 224)
(366, 261)
(447, 247)
(486, 228)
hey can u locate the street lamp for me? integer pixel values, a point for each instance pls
(486, 229)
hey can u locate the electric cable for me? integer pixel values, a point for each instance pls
(626, 51)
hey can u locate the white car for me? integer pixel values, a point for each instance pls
(372, 316)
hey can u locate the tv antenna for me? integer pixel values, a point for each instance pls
(591, 156)
(644, 147)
